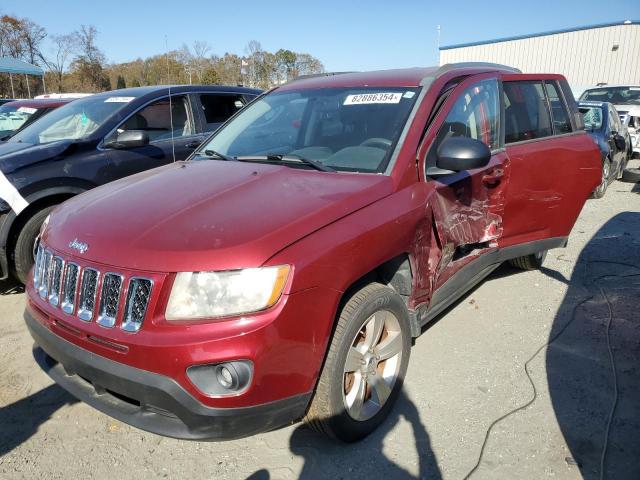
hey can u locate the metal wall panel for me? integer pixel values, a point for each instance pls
(585, 57)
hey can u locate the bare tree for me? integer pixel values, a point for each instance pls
(33, 35)
(63, 47)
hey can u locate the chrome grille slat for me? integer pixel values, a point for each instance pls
(88, 290)
(37, 269)
(69, 288)
(138, 296)
(109, 299)
(57, 266)
(43, 290)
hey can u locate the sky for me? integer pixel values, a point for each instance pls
(343, 34)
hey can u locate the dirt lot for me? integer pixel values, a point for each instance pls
(466, 371)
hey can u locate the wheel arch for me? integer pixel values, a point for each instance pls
(52, 195)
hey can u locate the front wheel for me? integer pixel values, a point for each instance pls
(365, 365)
(529, 262)
(23, 256)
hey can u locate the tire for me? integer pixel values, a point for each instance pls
(631, 175)
(347, 405)
(529, 262)
(23, 252)
(604, 183)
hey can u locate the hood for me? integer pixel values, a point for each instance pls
(205, 215)
(17, 155)
(626, 108)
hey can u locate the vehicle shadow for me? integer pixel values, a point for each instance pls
(22, 419)
(600, 309)
(324, 458)
(10, 287)
(366, 459)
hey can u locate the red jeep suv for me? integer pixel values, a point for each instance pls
(282, 271)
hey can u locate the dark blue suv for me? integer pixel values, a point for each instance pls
(96, 140)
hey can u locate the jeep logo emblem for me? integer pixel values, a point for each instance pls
(78, 245)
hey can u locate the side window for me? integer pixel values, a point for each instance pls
(474, 114)
(217, 108)
(525, 110)
(561, 122)
(157, 118)
(614, 121)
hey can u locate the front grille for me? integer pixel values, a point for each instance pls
(135, 309)
(109, 299)
(77, 289)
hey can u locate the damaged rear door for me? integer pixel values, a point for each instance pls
(466, 207)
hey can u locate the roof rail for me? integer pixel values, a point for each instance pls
(315, 75)
(497, 66)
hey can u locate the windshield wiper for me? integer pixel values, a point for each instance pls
(288, 158)
(213, 154)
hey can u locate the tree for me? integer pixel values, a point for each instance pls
(33, 35)
(120, 83)
(63, 47)
(88, 64)
(210, 77)
(286, 63)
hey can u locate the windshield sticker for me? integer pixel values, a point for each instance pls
(119, 99)
(27, 110)
(9, 194)
(408, 94)
(369, 98)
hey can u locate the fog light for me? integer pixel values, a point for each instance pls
(229, 378)
(225, 377)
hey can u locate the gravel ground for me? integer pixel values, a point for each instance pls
(466, 371)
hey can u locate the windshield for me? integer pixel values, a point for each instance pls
(615, 95)
(73, 121)
(592, 117)
(348, 129)
(12, 118)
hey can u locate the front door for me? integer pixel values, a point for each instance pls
(172, 135)
(465, 207)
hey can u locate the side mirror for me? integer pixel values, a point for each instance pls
(621, 144)
(461, 153)
(129, 139)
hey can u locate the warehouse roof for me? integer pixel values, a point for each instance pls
(541, 34)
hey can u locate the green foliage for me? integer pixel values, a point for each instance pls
(210, 77)
(120, 83)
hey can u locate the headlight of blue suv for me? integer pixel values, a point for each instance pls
(221, 294)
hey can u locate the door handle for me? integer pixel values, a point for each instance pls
(493, 179)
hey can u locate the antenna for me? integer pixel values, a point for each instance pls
(173, 143)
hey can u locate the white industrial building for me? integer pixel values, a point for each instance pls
(590, 55)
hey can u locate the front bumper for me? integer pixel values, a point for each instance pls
(151, 401)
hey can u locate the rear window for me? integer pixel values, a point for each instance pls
(218, 108)
(526, 113)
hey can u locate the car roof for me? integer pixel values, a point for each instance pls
(39, 103)
(590, 103)
(164, 89)
(602, 87)
(404, 77)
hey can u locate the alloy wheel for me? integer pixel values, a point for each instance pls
(372, 365)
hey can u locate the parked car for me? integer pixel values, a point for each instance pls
(16, 115)
(603, 124)
(283, 270)
(95, 140)
(622, 96)
(631, 120)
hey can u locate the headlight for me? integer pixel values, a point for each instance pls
(221, 294)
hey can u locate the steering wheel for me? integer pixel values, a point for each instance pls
(382, 143)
